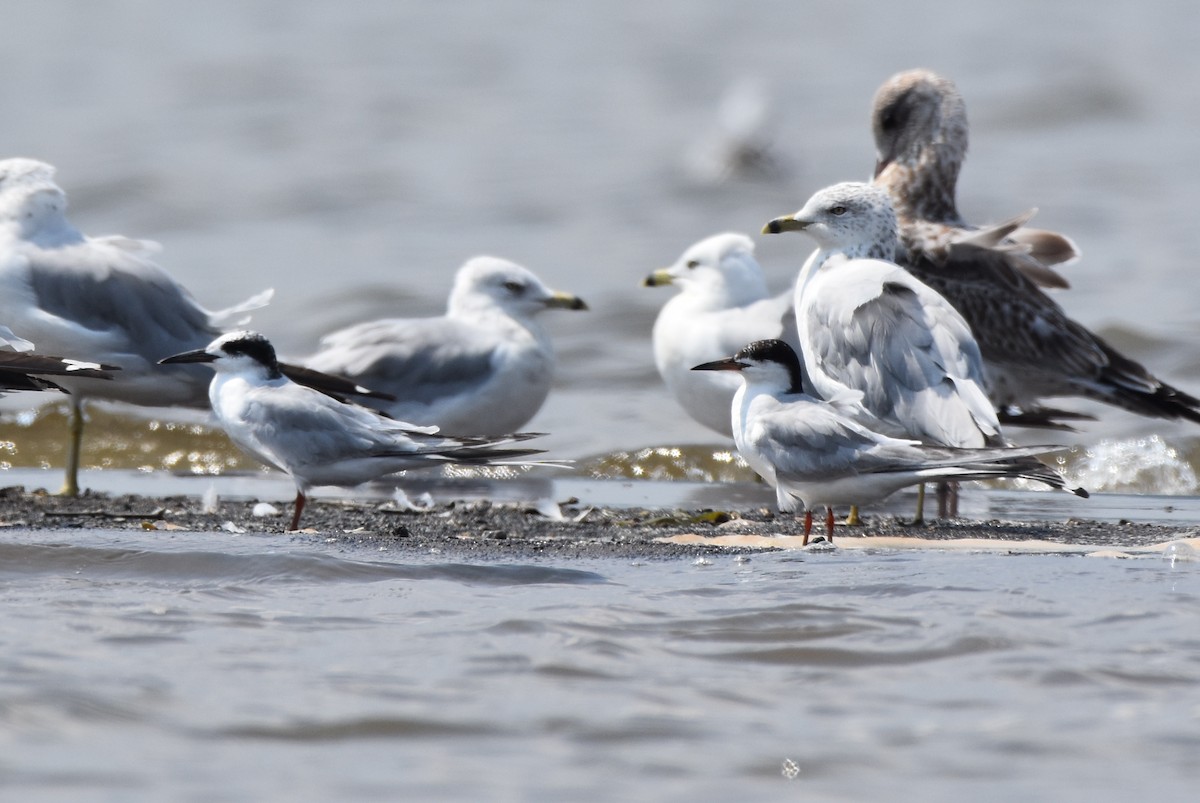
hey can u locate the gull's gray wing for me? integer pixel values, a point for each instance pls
(100, 287)
(418, 360)
(905, 347)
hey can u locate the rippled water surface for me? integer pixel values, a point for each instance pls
(214, 667)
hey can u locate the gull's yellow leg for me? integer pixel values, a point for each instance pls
(74, 444)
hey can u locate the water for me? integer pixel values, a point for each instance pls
(352, 156)
(215, 667)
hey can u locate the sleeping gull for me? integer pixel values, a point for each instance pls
(866, 324)
(484, 368)
(723, 303)
(1032, 348)
(317, 440)
(103, 300)
(816, 454)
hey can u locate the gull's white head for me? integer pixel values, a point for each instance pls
(28, 195)
(771, 365)
(234, 352)
(852, 218)
(486, 284)
(722, 265)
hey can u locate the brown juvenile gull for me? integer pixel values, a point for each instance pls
(866, 325)
(723, 303)
(1032, 349)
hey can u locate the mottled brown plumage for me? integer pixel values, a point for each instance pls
(1031, 348)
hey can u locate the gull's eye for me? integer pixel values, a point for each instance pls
(516, 288)
(693, 263)
(838, 210)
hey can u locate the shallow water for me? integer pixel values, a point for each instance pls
(352, 156)
(217, 667)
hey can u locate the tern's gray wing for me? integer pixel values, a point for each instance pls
(418, 360)
(101, 287)
(876, 329)
(809, 441)
(294, 426)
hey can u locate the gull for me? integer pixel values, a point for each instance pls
(816, 453)
(722, 304)
(868, 325)
(100, 299)
(1032, 349)
(316, 439)
(484, 368)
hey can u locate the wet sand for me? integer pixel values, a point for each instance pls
(521, 531)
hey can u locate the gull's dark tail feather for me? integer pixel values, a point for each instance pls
(1041, 418)
(23, 370)
(1127, 384)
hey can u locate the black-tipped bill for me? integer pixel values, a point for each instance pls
(785, 223)
(199, 355)
(729, 364)
(561, 300)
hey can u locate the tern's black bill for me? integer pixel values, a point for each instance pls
(720, 365)
(199, 355)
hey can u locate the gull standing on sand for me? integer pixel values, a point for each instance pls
(315, 439)
(484, 368)
(99, 299)
(866, 324)
(103, 300)
(723, 303)
(817, 453)
(1032, 348)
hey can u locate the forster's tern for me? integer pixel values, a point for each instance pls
(484, 368)
(317, 440)
(723, 303)
(1032, 348)
(815, 453)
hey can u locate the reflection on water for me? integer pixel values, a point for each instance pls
(128, 439)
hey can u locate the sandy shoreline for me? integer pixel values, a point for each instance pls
(518, 530)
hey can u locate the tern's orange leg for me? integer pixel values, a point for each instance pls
(807, 527)
(829, 524)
